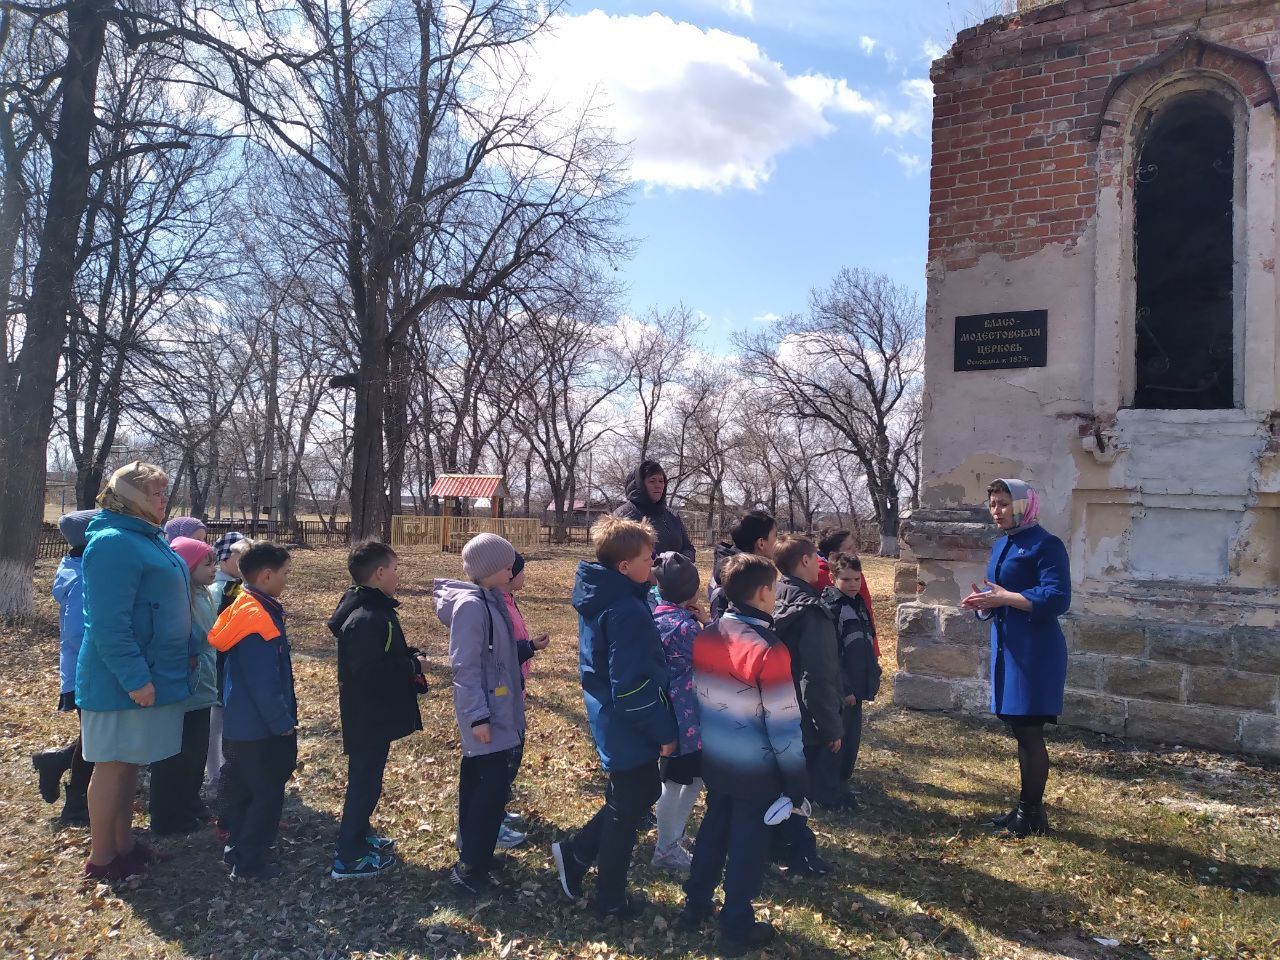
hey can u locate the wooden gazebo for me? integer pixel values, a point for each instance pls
(468, 486)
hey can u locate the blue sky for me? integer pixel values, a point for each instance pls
(774, 141)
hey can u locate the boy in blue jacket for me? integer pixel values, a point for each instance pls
(68, 590)
(624, 680)
(260, 711)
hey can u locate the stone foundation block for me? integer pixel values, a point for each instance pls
(948, 660)
(1256, 649)
(1232, 688)
(1104, 714)
(917, 623)
(1192, 726)
(1260, 735)
(973, 696)
(1121, 638)
(906, 576)
(961, 626)
(923, 693)
(1198, 646)
(1085, 671)
(1143, 679)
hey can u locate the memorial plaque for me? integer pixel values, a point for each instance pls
(1002, 341)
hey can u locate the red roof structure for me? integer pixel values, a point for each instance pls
(474, 485)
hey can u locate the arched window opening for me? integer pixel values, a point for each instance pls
(1184, 194)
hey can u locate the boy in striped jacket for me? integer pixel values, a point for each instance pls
(752, 752)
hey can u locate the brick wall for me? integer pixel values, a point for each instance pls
(1018, 103)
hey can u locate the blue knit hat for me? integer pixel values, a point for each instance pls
(74, 527)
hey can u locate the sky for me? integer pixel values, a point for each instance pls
(772, 141)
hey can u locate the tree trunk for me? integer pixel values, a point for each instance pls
(368, 488)
(27, 385)
(395, 421)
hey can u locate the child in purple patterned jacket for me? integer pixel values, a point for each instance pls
(680, 619)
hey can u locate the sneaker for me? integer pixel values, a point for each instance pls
(811, 866)
(379, 844)
(51, 765)
(570, 870)
(510, 837)
(268, 871)
(370, 865)
(629, 909)
(470, 884)
(512, 817)
(759, 934)
(674, 858)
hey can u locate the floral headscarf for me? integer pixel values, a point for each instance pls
(126, 491)
(1026, 504)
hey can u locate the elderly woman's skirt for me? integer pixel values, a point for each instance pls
(140, 736)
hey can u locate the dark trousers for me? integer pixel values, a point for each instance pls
(732, 845)
(176, 780)
(792, 841)
(852, 717)
(484, 786)
(609, 837)
(252, 795)
(364, 789)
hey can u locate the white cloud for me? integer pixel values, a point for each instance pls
(742, 8)
(933, 50)
(912, 163)
(766, 318)
(868, 44)
(703, 109)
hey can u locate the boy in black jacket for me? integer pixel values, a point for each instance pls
(379, 678)
(859, 665)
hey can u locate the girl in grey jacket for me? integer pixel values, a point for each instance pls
(486, 700)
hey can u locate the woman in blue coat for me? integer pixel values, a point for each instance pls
(1027, 588)
(133, 674)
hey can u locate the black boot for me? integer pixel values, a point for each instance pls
(75, 810)
(1002, 821)
(1028, 819)
(51, 765)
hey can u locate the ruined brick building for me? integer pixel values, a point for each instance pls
(1102, 320)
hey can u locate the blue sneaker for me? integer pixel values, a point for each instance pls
(379, 844)
(370, 865)
(510, 838)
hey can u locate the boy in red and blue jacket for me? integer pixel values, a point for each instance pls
(260, 711)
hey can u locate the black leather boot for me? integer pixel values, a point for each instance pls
(1028, 819)
(51, 765)
(75, 810)
(1003, 820)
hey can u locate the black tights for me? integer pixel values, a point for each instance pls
(1033, 763)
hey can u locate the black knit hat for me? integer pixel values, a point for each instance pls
(677, 577)
(518, 566)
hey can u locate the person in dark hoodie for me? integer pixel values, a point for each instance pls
(379, 679)
(624, 682)
(808, 631)
(260, 711)
(859, 657)
(755, 532)
(646, 488)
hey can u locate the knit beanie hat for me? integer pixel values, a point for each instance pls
(222, 546)
(486, 554)
(183, 527)
(191, 551)
(74, 527)
(518, 565)
(677, 577)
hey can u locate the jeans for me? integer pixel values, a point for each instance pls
(732, 845)
(253, 782)
(176, 780)
(484, 785)
(609, 837)
(852, 717)
(364, 789)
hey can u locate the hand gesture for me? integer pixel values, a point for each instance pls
(540, 642)
(851, 700)
(834, 745)
(422, 663)
(990, 598)
(668, 749)
(695, 607)
(145, 695)
(484, 733)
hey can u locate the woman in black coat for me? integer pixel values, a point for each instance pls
(647, 500)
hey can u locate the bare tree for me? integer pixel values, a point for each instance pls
(656, 350)
(854, 362)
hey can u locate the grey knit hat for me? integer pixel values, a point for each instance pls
(485, 554)
(74, 527)
(677, 577)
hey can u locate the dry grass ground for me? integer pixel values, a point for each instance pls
(1165, 853)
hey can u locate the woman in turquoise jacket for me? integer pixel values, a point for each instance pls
(1028, 587)
(133, 674)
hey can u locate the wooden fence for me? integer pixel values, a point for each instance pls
(452, 533)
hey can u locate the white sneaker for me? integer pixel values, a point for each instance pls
(511, 817)
(509, 837)
(674, 858)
